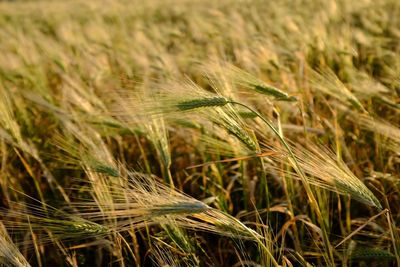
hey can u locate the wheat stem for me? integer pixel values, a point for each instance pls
(310, 195)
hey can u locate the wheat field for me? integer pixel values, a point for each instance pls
(200, 133)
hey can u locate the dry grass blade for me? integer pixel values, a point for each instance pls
(361, 227)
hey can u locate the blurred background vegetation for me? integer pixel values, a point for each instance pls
(200, 133)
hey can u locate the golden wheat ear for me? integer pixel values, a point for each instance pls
(225, 72)
(325, 170)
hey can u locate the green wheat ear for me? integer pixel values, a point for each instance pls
(179, 208)
(247, 115)
(273, 91)
(371, 253)
(110, 171)
(359, 193)
(289, 99)
(202, 103)
(86, 227)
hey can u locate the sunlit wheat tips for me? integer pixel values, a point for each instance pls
(10, 255)
(63, 225)
(234, 80)
(324, 170)
(326, 81)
